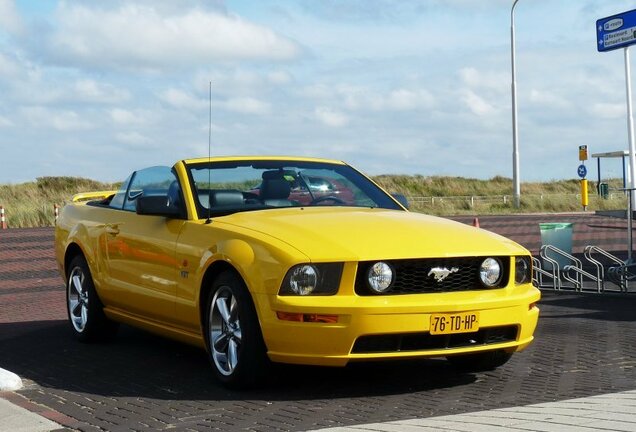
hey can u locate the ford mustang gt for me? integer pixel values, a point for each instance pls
(290, 260)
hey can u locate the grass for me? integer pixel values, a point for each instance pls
(447, 196)
(31, 204)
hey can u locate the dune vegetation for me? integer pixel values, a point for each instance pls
(31, 204)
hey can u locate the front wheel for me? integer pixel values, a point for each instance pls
(85, 310)
(233, 337)
(479, 362)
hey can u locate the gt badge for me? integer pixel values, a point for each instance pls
(441, 273)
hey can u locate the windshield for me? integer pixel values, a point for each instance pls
(228, 187)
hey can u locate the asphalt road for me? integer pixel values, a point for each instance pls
(584, 346)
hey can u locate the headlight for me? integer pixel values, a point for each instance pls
(314, 279)
(523, 270)
(490, 272)
(303, 279)
(380, 277)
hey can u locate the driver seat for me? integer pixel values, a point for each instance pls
(275, 189)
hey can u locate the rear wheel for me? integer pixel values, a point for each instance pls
(233, 337)
(85, 310)
(480, 362)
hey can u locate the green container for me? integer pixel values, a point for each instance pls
(559, 235)
(603, 190)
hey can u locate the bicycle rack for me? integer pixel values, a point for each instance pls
(574, 273)
(622, 274)
(600, 270)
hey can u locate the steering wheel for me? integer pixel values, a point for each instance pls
(327, 198)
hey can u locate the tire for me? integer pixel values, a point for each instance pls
(233, 336)
(85, 310)
(480, 362)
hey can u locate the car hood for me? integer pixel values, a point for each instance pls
(361, 234)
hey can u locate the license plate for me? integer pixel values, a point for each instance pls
(463, 322)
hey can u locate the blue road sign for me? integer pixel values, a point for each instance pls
(616, 31)
(581, 171)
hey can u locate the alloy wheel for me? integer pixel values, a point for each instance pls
(224, 330)
(77, 299)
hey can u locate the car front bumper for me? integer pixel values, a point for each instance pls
(394, 327)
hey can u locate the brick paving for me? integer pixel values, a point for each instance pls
(584, 347)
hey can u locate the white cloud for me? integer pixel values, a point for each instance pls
(8, 66)
(141, 36)
(331, 118)
(93, 91)
(10, 19)
(608, 110)
(133, 138)
(247, 105)
(366, 99)
(279, 77)
(316, 91)
(5, 122)
(182, 100)
(548, 98)
(476, 104)
(492, 80)
(402, 100)
(127, 117)
(62, 120)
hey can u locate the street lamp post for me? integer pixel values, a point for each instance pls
(515, 132)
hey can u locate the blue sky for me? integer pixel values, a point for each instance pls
(98, 89)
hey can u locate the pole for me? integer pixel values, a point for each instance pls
(515, 133)
(630, 227)
(3, 221)
(632, 149)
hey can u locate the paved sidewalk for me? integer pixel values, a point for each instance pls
(609, 412)
(17, 419)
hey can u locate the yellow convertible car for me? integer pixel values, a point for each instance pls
(290, 260)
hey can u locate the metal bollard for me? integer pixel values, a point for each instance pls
(3, 221)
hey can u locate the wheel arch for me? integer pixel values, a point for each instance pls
(211, 273)
(72, 250)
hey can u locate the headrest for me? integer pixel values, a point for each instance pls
(227, 198)
(277, 188)
(271, 175)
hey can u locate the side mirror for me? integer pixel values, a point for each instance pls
(157, 206)
(401, 199)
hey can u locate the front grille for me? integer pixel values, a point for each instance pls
(425, 341)
(412, 275)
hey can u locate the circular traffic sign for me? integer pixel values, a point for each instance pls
(581, 171)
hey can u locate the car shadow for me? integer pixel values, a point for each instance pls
(140, 364)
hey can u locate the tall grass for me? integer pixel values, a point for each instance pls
(31, 204)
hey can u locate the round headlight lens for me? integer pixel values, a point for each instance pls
(490, 272)
(522, 270)
(380, 277)
(303, 279)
